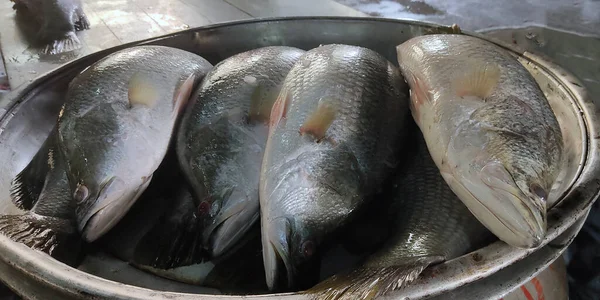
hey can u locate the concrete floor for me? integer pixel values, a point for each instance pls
(121, 21)
(580, 16)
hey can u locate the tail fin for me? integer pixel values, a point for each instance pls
(55, 236)
(168, 245)
(370, 282)
(64, 44)
(24, 195)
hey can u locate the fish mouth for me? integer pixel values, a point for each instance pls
(506, 211)
(111, 205)
(526, 217)
(230, 226)
(276, 255)
(99, 222)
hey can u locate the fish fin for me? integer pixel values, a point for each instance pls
(171, 244)
(371, 282)
(82, 22)
(319, 121)
(261, 105)
(18, 4)
(141, 91)
(280, 108)
(480, 81)
(419, 95)
(456, 29)
(183, 94)
(28, 184)
(55, 236)
(67, 43)
(23, 195)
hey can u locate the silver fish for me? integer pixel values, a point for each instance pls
(429, 225)
(222, 138)
(489, 128)
(334, 132)
(116, 125)
(58, 19)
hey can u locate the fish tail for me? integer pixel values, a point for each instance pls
(370, 282)
(166, 246)
(22, 196)
(54, 236)
(68, 42)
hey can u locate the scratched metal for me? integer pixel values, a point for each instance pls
(28, 112)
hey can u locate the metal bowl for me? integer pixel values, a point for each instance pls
(28, 113)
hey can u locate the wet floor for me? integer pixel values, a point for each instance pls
(581, 16)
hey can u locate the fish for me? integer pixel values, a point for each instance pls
(116, 126)
(58, 20)
(221, 140)
(48, 223)
(489, 128)
(334, 131)
(429, 225)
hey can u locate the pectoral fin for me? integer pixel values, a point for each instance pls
(280, 107)
(141, 91)
(183, 94)
(319, 121)
(479, 80)
(261, 104)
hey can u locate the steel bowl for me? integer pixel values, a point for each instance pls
(28, 114)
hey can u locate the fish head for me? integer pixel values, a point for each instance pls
(227, 219)
(100, 206)
(313, 196)
(506, 187)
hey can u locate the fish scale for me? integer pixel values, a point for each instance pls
(429, 225)
(134, 96)
(490, 129)
(222, 138)
(337, 122)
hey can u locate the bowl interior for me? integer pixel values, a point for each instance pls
(31, 116)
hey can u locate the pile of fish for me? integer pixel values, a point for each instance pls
(281, 155)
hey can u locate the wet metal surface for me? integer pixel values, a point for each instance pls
(30, 111)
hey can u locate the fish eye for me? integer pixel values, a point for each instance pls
(308, 248)
(81, 193)
(537, 190)
(203, 208)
